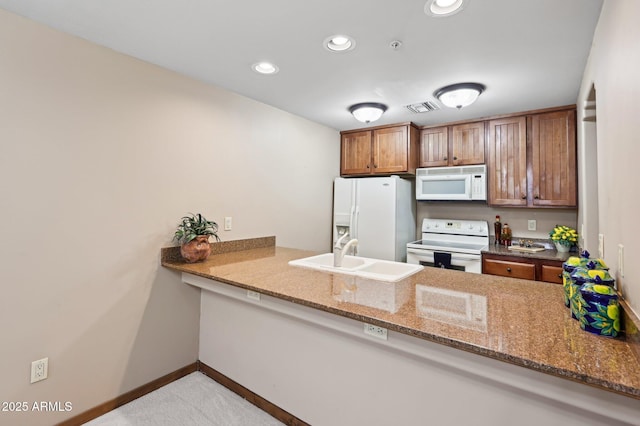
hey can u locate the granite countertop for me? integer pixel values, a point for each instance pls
(548, 254)
(517, 321)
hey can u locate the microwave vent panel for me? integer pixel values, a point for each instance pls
(425, 106)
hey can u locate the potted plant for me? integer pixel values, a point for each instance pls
(564, 238)
(193, 234)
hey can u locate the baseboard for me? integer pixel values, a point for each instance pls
(257, 400)
(266, 406)
(125, 398)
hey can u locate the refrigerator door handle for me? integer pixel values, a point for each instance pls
(352, 221)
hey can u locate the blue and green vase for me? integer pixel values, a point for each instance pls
(573, 264)
(601, 310)
(582, 276)
(568, 267)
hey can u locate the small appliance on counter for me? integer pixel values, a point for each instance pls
(450, 244)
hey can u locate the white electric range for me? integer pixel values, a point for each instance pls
(451, 244)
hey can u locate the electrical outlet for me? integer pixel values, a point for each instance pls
(227, 223)
(39, 370)
(532, 225)
(375, 331)
(253, 295)
(601, 246)
(621, 260)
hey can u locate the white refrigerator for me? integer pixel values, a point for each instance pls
(379, 211)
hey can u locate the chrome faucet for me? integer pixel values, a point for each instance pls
(340, 250)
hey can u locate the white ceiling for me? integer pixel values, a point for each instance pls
(530, 54)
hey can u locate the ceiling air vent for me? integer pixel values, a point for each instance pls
(423, 107)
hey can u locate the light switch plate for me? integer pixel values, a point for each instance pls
(621, 260)
(601, 246)
(532, 225)
(228, 221)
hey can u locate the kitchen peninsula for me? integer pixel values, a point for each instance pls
(501, 348)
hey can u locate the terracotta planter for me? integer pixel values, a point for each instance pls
(196, 250)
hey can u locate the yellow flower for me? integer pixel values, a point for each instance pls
(564, 235)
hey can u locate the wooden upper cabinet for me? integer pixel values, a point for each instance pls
(390, 150)
(355, 153)
(434, 147)
(507, 162)
(380, 151)
(531, 160)
(553, 159)
(467, 144)
(457, 145)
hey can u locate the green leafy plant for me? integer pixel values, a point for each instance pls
(194, 225)
(564, 235)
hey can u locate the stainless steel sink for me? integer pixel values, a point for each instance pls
(375, 269)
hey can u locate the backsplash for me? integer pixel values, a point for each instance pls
(517, 218)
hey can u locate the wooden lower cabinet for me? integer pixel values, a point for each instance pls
(507, 268)
(523, 268)
(551, 274)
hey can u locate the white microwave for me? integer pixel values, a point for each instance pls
(452, 183)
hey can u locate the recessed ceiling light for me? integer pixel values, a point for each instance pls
(339, 43)
(265, 68)
(443, 8)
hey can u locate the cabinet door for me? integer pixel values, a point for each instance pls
(434, 146)
(355, 153)
(553, 159)
(507, 162)
(467, 144)
(391, 150)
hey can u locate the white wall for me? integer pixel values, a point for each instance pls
(613, 69)
(101, 155)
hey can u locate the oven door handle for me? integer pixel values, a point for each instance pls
(464, 256)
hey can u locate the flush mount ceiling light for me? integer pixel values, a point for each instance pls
(441, 8)
(367, 111)
(339, 43)
(264, 68)
(459, 95)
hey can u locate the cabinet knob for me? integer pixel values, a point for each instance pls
(537, 197)
(445, 158)
(368, 166)
(455, 158)
(508, 269)
(375, 166)
(559, 275)
(524, 197)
